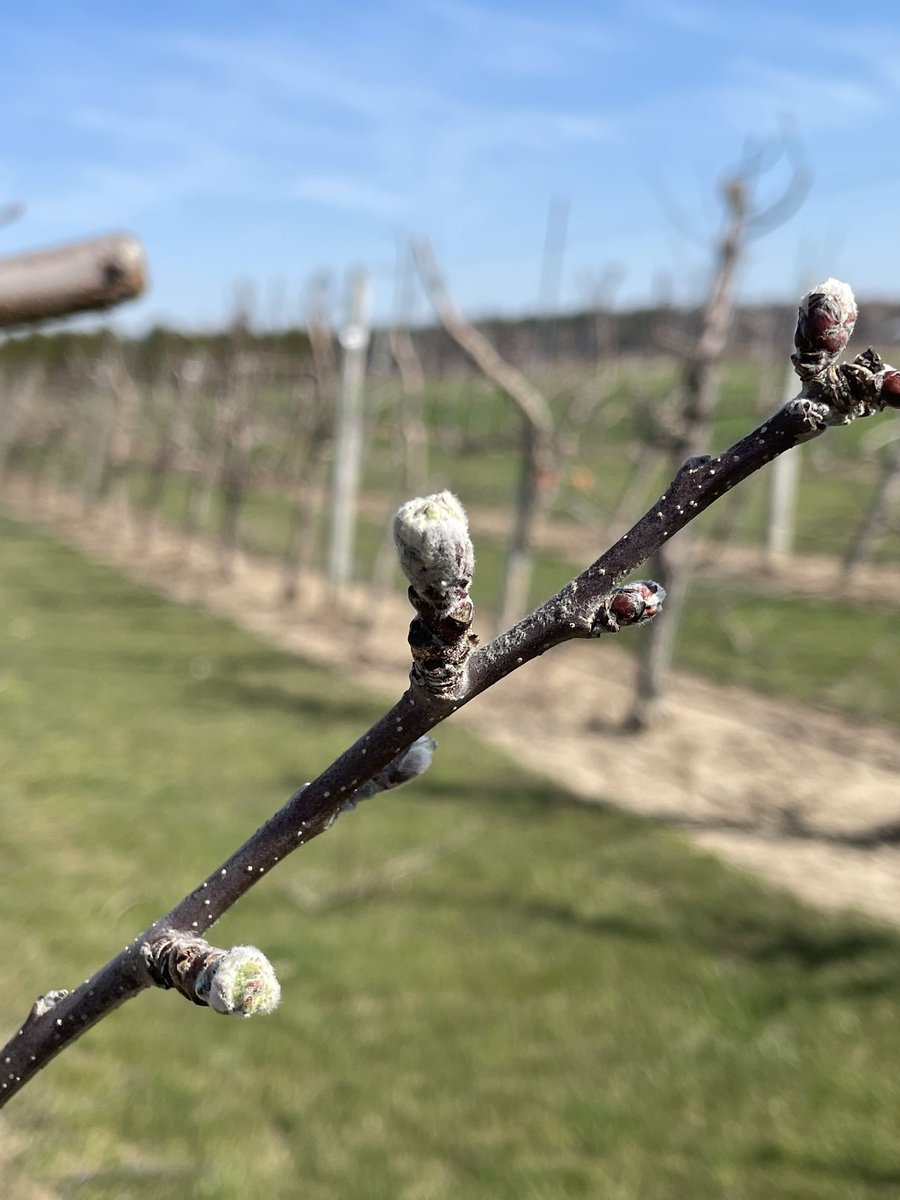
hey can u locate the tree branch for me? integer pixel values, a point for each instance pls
(527, 398)
(539, 453)
(449, 671)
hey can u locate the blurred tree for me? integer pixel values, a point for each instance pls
(683, 427)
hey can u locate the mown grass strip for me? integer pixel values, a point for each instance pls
(552, 1001)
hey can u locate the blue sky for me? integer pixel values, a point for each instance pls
(272, 141)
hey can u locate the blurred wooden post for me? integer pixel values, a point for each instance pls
(354, 339)
(311, 474)
(69, 279)
(876, 522)
(784, 481)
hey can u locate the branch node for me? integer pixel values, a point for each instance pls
(692, 465)
(239, 982)
(811, 415)
(842, 394)
(46, 1003)
(438, 559)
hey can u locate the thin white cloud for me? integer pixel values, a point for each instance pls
(684, 15)
(538, 130)
(287, 68)
(509, 42)
(875, 49)
(410, 136)
(808, 97)
(120, 124)
(99, 194)
(345, 192)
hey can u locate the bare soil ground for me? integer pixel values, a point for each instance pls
(808, 799)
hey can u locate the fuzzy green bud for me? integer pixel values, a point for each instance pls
(243, 983)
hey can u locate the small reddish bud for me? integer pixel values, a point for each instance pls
(637, 602)
(890, 388)
(825, 322)
(632, 604)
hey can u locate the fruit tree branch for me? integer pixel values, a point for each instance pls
(449, 669)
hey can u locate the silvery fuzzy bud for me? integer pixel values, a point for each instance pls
(436, 552)
(409, 764)
(243, 983)
(825, 322)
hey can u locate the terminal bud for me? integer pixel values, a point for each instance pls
(825, 322)
(436, 552)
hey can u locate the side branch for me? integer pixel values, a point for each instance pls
(527, 398)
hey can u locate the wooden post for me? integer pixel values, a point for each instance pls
(783, 483)
(69, 279)
(876, 522)
(354, 339)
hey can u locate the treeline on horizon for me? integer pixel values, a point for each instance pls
(574, 337)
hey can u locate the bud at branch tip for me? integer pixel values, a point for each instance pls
(825, 322)
(436, 553)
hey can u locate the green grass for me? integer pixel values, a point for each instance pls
(566, 1003)
(840, 657)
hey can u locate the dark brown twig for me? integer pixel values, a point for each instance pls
(450, 670)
